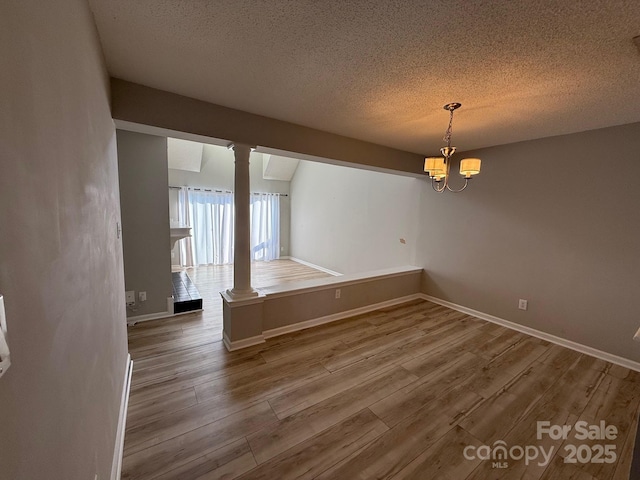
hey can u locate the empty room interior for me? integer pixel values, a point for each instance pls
(319, 240)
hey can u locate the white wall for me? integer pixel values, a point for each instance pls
(554, 221)
(60, 259)
(218, 172)
(351, 220)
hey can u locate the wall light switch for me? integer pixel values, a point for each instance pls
(142, 296)
(338, 293)
(522, 304)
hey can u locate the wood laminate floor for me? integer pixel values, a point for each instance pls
(211, 280)
(397, 393)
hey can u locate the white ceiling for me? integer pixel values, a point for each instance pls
(381, 70)
(275, 167)
(184, 154)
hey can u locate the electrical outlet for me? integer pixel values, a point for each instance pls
(130, 297)
(523, 304)
(142, 296)
(338, 293)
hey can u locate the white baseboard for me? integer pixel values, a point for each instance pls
(147, 317)
(154, 316)
(116, 466)
(157, 316)
(274, 332)
(317, 267)
(563, 342)
(244, 343)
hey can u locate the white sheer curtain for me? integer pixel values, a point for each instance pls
(185, 250)
(265, 226)
(210, 216)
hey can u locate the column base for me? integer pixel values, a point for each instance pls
(242, 318)
(235, 294)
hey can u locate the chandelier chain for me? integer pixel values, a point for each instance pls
(447, 135)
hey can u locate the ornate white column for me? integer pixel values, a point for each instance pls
(242, 234)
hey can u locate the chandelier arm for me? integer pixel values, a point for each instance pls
(433, 184)
(466, 182)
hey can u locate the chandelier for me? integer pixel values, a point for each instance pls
(439, 168)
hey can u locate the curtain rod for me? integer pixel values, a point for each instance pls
(228, 191)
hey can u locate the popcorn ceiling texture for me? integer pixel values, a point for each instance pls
(381, 70)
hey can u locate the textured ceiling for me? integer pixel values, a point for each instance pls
(381, 70)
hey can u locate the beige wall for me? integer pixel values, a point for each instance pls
(144, 196)
(60, 259)
(156, 108)
(554, 221)
(351, 220)
(283, 306)
(281, 311)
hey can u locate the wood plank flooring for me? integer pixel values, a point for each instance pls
(397, 393)
(210, 281)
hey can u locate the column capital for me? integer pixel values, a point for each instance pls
(241, 147)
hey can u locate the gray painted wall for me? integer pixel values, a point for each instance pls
(554, 221)
(351, 220)
(218, 172)
(144, 197)
(540, 223)
(60, 259)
